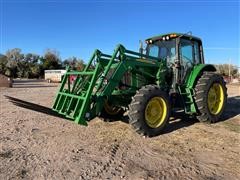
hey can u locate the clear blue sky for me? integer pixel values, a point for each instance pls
(76, 28)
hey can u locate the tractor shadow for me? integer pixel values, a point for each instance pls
(232, 108)
(33, 107)
(179, 120)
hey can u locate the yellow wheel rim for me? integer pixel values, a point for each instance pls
(111, 110)
(155, 112)
(215, 98)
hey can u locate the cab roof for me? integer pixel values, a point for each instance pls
(174, 35)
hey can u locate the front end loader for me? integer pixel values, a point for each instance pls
(148, 85)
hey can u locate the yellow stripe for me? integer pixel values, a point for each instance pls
(146, 61)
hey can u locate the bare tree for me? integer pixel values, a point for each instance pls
(224, 69)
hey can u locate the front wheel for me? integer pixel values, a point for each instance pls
(210, 97)
(149, 110)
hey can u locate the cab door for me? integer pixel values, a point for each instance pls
(189, 55)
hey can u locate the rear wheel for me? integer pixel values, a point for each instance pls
(210, 97)
(149, 110)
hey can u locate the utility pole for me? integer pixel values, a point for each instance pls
(229, 69)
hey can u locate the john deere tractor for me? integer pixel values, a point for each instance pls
(168, 74)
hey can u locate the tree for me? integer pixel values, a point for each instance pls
(223, 69)
(31, 58)
(80, 65)
(74, 63)
(51, 59)
(14, 54)
(3, 64)
(14, 58)
(35, 71)
(32, 67)
(17, 64)
(70, 62)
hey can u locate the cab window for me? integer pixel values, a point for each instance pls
(196, 53)
(186, 51)
(186, 57)
(168, 50)
(163, 52)
(153, 50)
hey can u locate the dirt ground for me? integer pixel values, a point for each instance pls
(37, 144)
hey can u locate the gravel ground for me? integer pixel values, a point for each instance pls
(37, 144)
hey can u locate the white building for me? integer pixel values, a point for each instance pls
(54, 75)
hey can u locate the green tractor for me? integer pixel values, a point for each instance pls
(168, 74)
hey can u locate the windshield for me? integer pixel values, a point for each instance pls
(163, 50)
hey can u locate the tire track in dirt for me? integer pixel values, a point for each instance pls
(181, 171)
(173, 167)
(189, 169)
(113, 167)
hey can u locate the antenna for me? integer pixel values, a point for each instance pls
(140, 47)
(187, 33)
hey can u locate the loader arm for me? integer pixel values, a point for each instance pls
(83, 99)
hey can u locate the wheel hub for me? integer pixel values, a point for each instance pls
(155, 112)
(215, 98)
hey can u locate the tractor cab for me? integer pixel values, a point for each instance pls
(181, 51)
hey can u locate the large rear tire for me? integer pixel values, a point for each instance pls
(149, 110)
(210, 97)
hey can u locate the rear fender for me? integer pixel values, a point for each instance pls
(197, 71)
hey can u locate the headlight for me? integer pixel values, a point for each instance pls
(150, 41)
(167, 38)
(163, 38)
